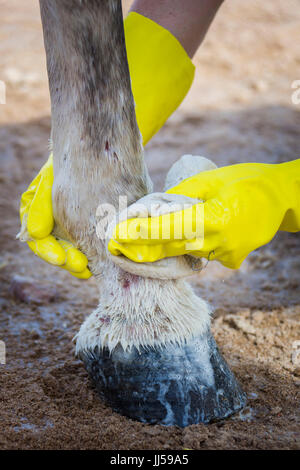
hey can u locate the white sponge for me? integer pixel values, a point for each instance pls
(156, 204)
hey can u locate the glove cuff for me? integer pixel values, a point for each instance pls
(289, 176)
(160, 70)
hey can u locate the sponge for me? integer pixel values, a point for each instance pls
(156, 204)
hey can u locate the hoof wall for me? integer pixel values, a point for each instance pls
(173, 385)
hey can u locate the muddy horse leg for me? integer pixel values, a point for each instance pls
(148, 345)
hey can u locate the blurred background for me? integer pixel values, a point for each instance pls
(239, 109)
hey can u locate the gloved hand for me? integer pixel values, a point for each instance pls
(244, 206)
(161, 74)
(37, 224)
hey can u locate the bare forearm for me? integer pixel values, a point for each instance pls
(187, 20)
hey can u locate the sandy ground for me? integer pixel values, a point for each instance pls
(239, 109)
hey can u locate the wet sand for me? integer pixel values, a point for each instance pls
(239, 109)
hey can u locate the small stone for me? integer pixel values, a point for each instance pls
(295, 358)
(29, 291)
(276, 410)
(253, 396)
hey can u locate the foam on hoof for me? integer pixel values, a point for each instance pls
(171, 385)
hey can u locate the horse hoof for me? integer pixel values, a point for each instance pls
(171, 385)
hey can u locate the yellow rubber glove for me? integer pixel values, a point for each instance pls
(244, 206)
(160, 69)
(161, 74)
(37, 224)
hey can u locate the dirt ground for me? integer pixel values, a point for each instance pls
(239, 109)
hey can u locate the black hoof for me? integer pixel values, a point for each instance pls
(173, 385)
